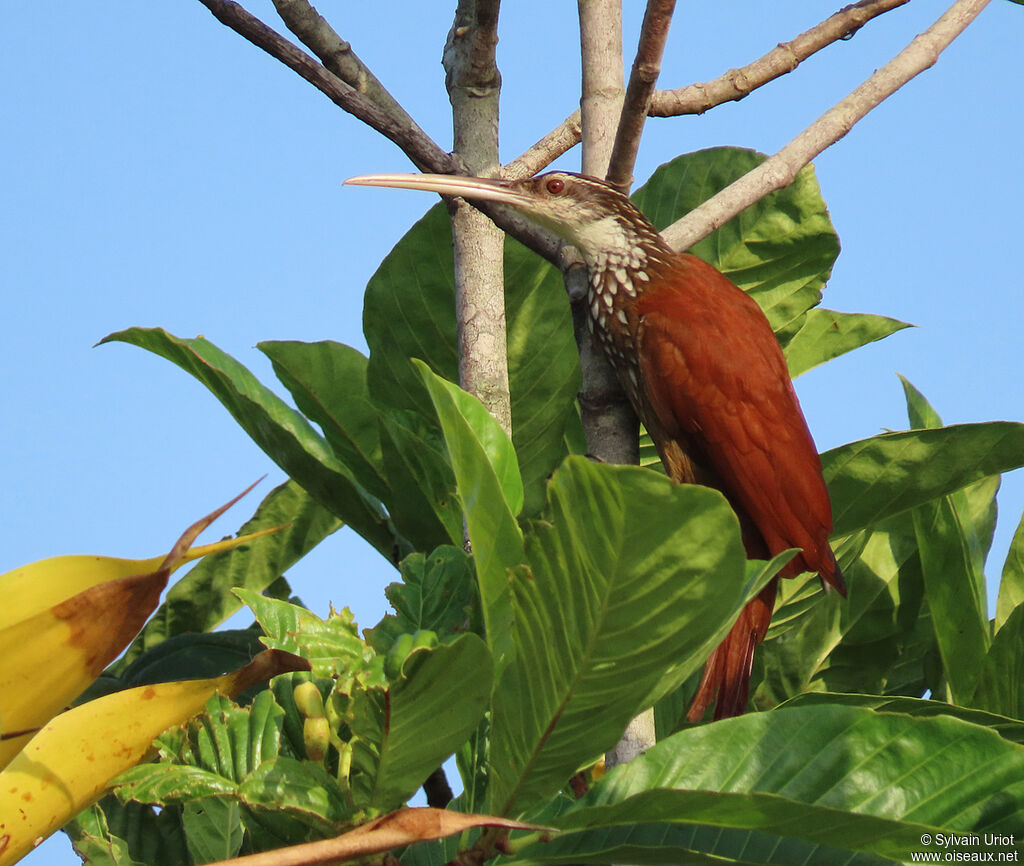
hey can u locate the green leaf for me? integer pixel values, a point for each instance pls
(284, 434)
(165, 783)
(1000, 686)
(332, 646)
(631, 581)
(875, 640)
(408, 731)
(234, 753)
(1011, 585)
(435, 594)
(416, 463)
(958, 611)
(952, 558)
(974, 505)
(780, 249)
(192, 656)
(301, 789)
(203, 599)
(921, 413)
(543, 367)
(938, 771)
(1008, 729)
(110, 833)
(409, 313)
(885, 475)
(491, 493)
(328, 382)
(687, 827)
(213, 829)
(827, 334)
(464, 414)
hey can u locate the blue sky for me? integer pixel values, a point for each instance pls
(160, 171)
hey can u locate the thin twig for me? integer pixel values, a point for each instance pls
(734, 84)
(779, 170)
(642, 78)
(424, 153)
(738, 83)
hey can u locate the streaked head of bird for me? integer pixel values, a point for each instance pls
(602, 223)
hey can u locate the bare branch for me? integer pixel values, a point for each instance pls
(337, 55)
(424, 153)
(474, 85)
(601, 100)
(561, 139)
(642, 78)
(779, 170)
(737, 83)
(734, 84)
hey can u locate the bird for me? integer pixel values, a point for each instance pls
(705, 374)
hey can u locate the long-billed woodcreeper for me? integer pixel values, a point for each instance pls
(706, 376)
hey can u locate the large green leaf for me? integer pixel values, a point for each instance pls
(875, 640)
(425, 508)
(876, 478)
(203, 599)
(409, 312)
(543, 367)
(937, 771)
(284, 434)
(952, 554)
(630, 576)
(463, 415)
(328, 382)
(1011, 584)
(690, 827)
(407, 731)
(491, 493)
(1000, 686)
(780, 249)
(827, 334)
(1007, 728)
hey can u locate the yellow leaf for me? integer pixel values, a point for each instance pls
(68, 764)
(73, 616)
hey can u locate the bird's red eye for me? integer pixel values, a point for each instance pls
(555, 186)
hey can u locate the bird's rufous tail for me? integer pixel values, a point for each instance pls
(727, 672)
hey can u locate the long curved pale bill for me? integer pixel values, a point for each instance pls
(444, 184)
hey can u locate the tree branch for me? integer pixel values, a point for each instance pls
(601, 99)
(474, 85)
(733, 85)
(561, 139)
(423, 152)
(642, 78)
(608, 420)
(780, 170)
(313, 30)
(738, 83)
